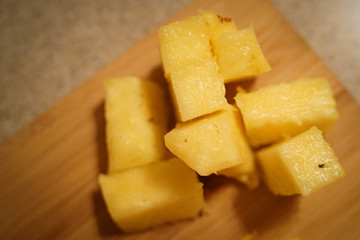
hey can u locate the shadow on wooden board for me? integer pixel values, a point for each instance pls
(256, 210)
(261, 211)
(106, 226)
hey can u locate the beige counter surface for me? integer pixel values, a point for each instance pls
(50, 48)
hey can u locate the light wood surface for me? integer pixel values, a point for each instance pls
(48, 172)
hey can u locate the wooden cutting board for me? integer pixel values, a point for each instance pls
(48, 172)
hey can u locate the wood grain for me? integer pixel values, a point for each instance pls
(48, 171)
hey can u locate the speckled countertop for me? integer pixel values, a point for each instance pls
(48, 48)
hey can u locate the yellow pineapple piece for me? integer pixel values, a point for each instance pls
(136, 122)
(150, 195)
(184, 43)
(209, 144)
(275, 112)
(246, 172)
(217, 24)
(197, 90)
(196, 84)
(239, 55)
(300, 165)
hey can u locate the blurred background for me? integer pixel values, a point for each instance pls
(48, 48)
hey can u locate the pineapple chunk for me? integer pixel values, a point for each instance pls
(197, 90)
(246, 172)
(184, 43)
(217, 24)
(150, 195)
(209, 144)
(136, 122)
(300, 165)
(196, 84)
(275, 112)
(239, 55)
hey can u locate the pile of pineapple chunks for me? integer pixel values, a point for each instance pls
(274, 133)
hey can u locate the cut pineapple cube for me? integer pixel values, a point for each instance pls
(239, 55)
(300, 165)
(246, 172)
(217, 24)
(196, 84)
(150, 195)
(184, 43)
(275, 112)
(209, 144)
(197, 90)
(136, 122)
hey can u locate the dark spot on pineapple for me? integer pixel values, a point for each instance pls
(321, 165)
(151, 119)
(185, 140)
(224, 19)
(217, 128)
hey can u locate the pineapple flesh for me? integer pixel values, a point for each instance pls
(197, 90)
(184, 43)
(209, 144)
(144, 197)
(246, 172)
(300, 165)
(239, 55)
(217, 24)
(276, 112)
(136, 121)
(197, 87)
